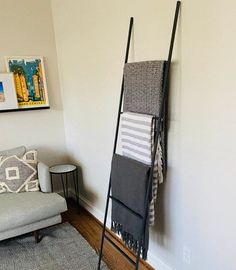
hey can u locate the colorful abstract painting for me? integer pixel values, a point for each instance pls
(30, 81)
(2, 96)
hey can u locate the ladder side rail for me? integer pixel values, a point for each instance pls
(165, 89)
(115, 143)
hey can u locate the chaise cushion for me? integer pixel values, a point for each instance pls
(25, 208)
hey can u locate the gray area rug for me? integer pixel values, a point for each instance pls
(62, 247)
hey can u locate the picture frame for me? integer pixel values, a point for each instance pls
(30, 81)
(8, 98)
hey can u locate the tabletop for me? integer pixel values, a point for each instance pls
(63, 168)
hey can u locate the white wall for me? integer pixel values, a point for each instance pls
(208, 131)
(196, 202)
(26, 29)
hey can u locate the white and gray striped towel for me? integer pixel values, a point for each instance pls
(137, 141)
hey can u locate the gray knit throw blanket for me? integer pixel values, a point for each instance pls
(143, 83)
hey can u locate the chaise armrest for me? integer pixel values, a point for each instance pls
(44, 177)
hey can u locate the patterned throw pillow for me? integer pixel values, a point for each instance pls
(19, 174)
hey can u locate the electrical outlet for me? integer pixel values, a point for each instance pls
(186, 255)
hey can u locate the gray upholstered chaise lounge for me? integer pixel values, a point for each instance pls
(26, 212)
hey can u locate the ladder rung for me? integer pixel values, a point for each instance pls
(120, 250)
(125, 206)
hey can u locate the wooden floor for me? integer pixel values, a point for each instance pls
(91, 229)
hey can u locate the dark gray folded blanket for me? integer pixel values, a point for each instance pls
(143, 83)
(129, 180)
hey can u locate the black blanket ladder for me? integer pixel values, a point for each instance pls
(159, 125)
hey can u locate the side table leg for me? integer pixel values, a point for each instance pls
(63, 186)
(51, 181)
(67, 186)
(76, 185)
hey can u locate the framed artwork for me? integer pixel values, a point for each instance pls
(30, 80)
(8, 99)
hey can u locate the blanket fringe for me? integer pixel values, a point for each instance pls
(128, 239)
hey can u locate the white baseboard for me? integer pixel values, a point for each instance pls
(93, 210)
(156, 263)
(87, 205)
(153, 260)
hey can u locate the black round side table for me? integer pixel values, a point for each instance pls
(64, 170)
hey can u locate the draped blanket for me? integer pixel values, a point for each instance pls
(129, 181)
(143, 90)
(143, 93)
(137, 141)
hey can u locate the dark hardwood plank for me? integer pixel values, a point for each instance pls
(91, 229)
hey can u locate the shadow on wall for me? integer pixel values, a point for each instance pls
(166, 210)
(51, 156)
(160, 222)
(161, 228)
(89, 193)
(82, 187)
